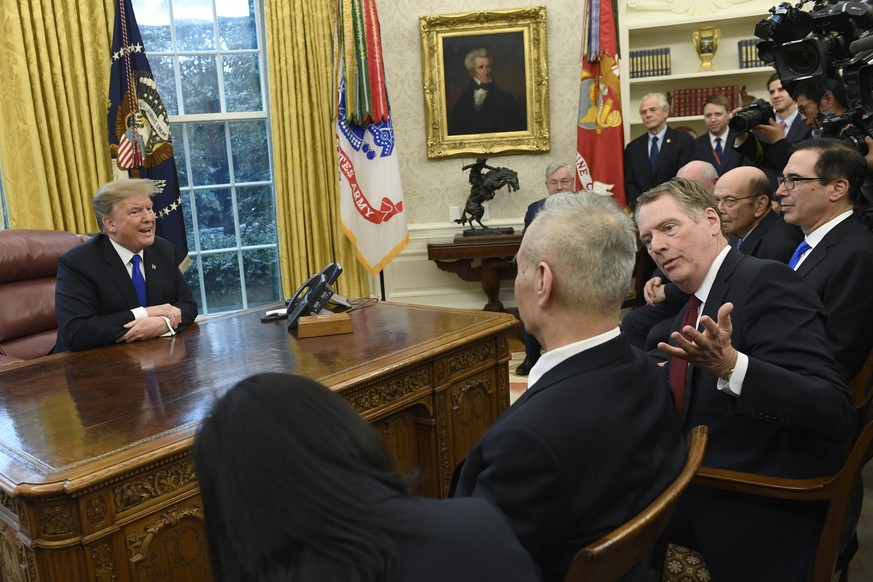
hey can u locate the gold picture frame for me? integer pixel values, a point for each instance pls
(515, 45)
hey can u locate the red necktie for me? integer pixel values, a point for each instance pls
(678, 366)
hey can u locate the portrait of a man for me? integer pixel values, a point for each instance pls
(475, 101)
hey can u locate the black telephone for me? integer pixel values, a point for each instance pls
(313, 295)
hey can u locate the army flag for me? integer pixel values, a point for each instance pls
(371, 195)
(139, 128)
(600, 132)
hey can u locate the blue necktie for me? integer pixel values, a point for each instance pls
(138, 281)
(653, 153)
(718, 151)
(739, 243)
(801, 248)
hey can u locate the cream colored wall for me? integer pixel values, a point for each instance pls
(430, 187)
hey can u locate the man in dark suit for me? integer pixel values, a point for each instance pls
(483, 107)
(714, 145)
(592, 441)
(559, 178)
(97, 297)
(646, 166)
(743, 198)
(760, 374)
(822, 183)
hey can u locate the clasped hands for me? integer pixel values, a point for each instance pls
(153, 325)
(710, 349)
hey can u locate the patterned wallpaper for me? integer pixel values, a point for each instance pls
(432, 186)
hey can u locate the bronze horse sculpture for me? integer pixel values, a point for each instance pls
(483, 188)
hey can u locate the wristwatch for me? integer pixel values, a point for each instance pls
(727, 377)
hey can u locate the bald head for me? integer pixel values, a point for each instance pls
(743, 196)
(699, 171)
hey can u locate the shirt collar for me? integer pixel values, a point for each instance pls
(123, 253)
(818, 234)
(703, 291)
(790, 119)
(554, 357)
(659, 135)
(722, 135)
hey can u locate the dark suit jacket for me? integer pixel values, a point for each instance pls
(94, 293)
(532, 210)
(790, 420)
(840, 269)
(772, 239)
(463, 540)
(731, 158)
(499, 112)
(583, 450)
(674, 153)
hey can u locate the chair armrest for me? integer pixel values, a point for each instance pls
(754, 484)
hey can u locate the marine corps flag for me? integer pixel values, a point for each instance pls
(371, 195)
(139, 128)
(600, 134)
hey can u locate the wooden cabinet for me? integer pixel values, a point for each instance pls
(651, 24)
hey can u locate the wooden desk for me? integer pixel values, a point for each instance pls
(96, 479)
(494, 254)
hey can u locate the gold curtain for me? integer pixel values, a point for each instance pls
(299, 53)
(53, 66)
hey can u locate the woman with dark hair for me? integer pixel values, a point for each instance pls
(297, 486)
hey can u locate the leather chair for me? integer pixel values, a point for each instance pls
(28, 270)
(623, 553)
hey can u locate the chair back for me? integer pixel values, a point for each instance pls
(28, 271)
(615, 554)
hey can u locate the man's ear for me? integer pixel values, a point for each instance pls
(840, 190)
(108, 225)
(762, 203)
(544, 283)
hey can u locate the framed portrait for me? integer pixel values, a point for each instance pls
(486, 82)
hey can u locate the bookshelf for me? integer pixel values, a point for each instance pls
(647, 25)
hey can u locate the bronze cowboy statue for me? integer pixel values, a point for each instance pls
(482, 188)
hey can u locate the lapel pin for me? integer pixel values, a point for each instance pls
(154, 267)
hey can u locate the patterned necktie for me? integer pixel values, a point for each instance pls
(653, 153)
(719, 152)
(783, 124)
(795, 258)
(138, 280)
(678, 366)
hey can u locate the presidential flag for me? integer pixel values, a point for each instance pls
(600, 134)
(371, 195)
(139, 128)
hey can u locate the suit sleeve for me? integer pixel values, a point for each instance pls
(519, 473)
(77, 303)
(792, 379)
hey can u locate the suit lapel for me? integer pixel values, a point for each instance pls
(153, 283)
(117, 272)
(820, 252)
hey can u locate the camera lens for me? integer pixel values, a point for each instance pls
(802, 59)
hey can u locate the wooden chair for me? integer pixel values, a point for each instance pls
(618, 552)
(835, 489)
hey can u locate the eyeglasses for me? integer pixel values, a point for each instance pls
(564, 182)
(731, 201)
(791, 181)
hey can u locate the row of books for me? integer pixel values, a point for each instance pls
(689, 102)
(650, 63)
(747, 51)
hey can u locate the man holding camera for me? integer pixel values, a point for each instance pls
(714, 145)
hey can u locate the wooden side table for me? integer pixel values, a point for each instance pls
(493, 253)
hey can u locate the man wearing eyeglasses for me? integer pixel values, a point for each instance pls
(818, 190)
(559, 178)
(753, 228)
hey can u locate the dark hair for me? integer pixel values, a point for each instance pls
(285, 467)
(837, 159)
(773, 77)
(717, 99)
(814, 88)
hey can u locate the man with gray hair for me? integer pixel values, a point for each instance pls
(123, 285)
(483, 107)
(555, 462)
(749, 358)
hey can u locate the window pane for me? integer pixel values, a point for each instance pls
(195, 29)
(189, 222)
(236, 25)
(221, 278)
(257, 219)
(242, 83)
(208, 151)
(215, 219)
(178, 132)
(251, 160)
(262, 276)
(165, 77)
(200, 84)
(192, 277)
(153, 18)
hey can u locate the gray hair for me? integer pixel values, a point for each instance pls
(555, 167)
(112, 193)
(481, 53)
(662, 100)
(591, 245)
(691, 197)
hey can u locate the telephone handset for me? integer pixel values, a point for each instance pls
(313, 295)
